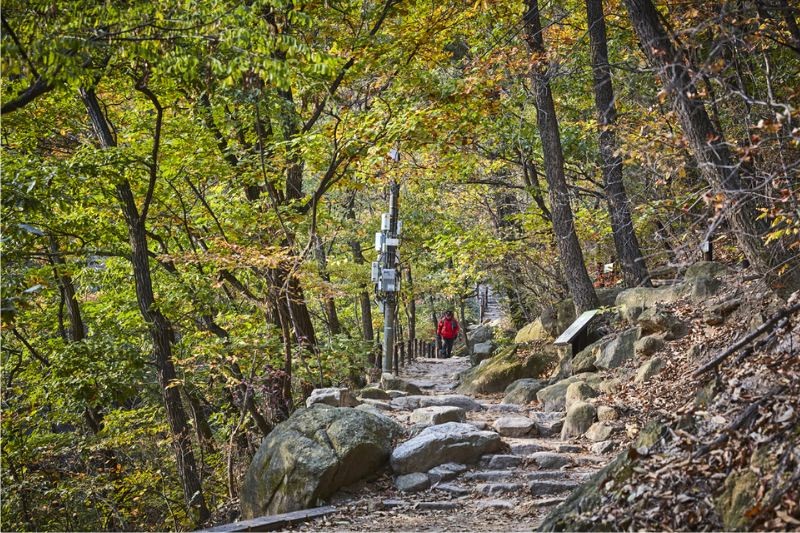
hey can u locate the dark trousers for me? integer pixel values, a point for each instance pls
(447, 348)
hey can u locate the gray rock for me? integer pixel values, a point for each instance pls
(454, 490)
(584, 361)
(443, 443)
(716, 314)
(553, 397)
(481, 334)
(502, 408)
(644, 297)
(580, 417)
(547, 502)
(540, 475)
(703, 288)
(647, 346)
(603, 447)
(374, 393)
(606, 413)
(414, 482)
(490, 489)
(480, 424)
(526, 448)
(438, 415)
(656, 320)
(706, 269)
(446, 472)
(501, 462)
(392, 382)
(550, 460)
(377, 404)
(482, 351)
(416, 401)
(396, 394)
(568, 448)
(599, 431)
(549, 488)
(311, 455)
(649, 369)
(495, 504)
(678, 331)
(514, 426)
(523, 391)
(547, 424)
(578, 391)
(336, 397)
(618, 350)
(392, 503)
(489, 475)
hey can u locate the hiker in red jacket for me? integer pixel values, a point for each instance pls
(448, 331)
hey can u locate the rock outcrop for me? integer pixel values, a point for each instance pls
(500, 371)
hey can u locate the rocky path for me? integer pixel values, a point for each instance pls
(512, 488)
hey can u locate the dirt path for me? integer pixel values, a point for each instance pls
(509, 491)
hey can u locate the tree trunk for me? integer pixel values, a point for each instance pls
(630, 257)
(329, 304)
(363, 296)
(569, 248)
(411, 306)
(708, 144)
(160, 328)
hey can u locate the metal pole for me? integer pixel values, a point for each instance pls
(391, 296)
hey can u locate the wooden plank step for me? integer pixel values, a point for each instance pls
(579, 325)
(273, 522)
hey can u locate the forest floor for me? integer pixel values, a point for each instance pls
(482, 499)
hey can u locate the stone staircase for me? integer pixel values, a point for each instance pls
(510, 489)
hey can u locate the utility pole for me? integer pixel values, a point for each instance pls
(384, 271)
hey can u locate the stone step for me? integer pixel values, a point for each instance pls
(522, 447)
(489, 475)
(495, 504)
(501, 462)
(451, 488)
(491, 489)
(549, 488)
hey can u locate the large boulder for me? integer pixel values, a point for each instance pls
(444, 443)
(506, 367)
(458, 400)
(619, 350)
(311, 455)
(523, 391)
(553, 397)
(335, 397)
(391, 382)
(533, 332)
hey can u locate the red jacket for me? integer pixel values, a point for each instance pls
(448, 328)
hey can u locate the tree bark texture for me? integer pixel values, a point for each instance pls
(569, 249)
(634, 269)
(160, 328)
(708, 143)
